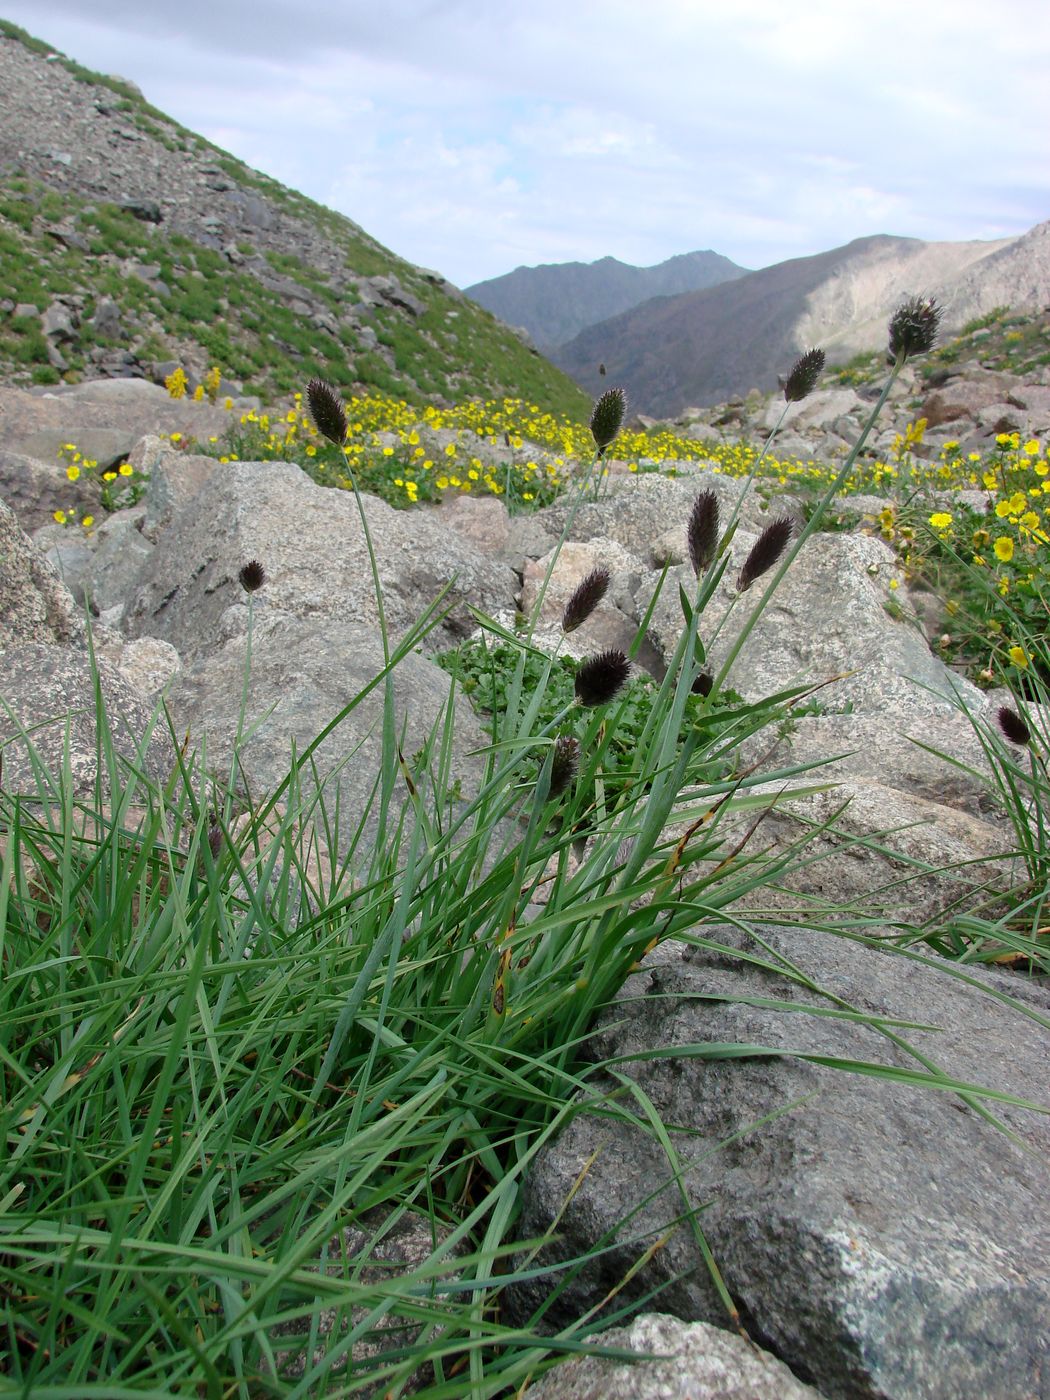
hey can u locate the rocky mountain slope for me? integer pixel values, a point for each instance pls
(706, 346)
(558, 300)
(128, 243)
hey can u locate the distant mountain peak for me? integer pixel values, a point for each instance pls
(705, 346)
(555, 301)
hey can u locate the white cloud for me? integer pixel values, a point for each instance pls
(472, 136)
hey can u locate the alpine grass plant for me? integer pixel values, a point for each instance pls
(226, 1041)
(1012, 924)
(585, 598)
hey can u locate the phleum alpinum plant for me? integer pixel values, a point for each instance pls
(240, 1031)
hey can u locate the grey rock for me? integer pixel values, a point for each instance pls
(35, 606)
(481, 519)
(250, 211)
(641, 512)
(148, 210)
(310, 541)
(325, 321)
(303, 673)
(574, 563)
(106, 320)
(104, 446)
(69, 553)
(887, 849)
(964, 398)
(148, 664)
(391, 291)
(68, 238)
(35, 489)
(828, 617)
(59, 322)
(828, 622)
(884, 1241)
(174, 480)
(129, 408)
(820, 410)
(121, 556)
(48, 689)
(144, 272)
(695, 1362)
(702, 432)
(1035, 400)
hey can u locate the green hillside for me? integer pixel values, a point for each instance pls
(239, 305)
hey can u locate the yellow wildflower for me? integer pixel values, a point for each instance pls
(1004, 548)
(175, 383)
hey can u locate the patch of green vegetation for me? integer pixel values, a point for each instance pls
(13, 31)
(453, 350)
(982, 323)
(861, 369)
(1016, 342)
(487, 672)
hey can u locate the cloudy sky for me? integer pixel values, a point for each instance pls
(474, 136)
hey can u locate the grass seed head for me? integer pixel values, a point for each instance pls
(804, 375)
(702, 531)
(913, 327)
(1013, 726)
(607, 417)
(565, 764)
(600, 677)
(252, 576)
(585, 598)
(326, 409)
(765, 552)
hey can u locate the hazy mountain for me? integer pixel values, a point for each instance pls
(556, 301)
(709, 345)
(127, 241)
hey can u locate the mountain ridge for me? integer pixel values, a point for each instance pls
(707, 346)
(555, 301)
